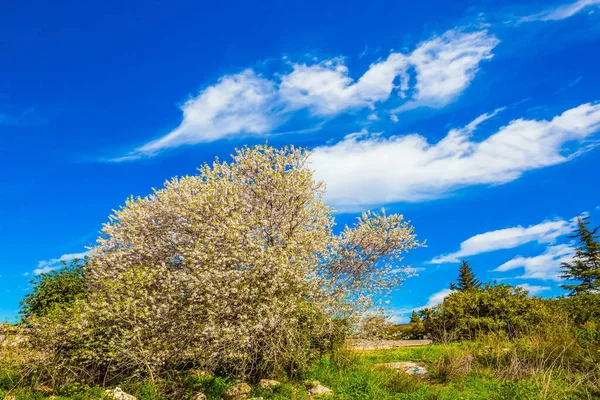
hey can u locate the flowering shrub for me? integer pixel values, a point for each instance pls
(235, 269)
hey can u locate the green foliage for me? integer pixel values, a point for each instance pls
(584, 269)
(378, 327)
(414, 317)
(465, 314)
(583, 311)
(59, 288)
(583, 308)
(410, 331)
(466, 278)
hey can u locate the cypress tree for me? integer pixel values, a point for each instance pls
(584, 269)
(466, 278)
(415, 317)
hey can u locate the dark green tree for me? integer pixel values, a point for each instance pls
(466, 278)
(415, 317)
(57, 288)
(584, 269)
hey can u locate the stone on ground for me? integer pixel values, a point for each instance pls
(411, 368)
(268, 383)
(316, 389)
(118, 394)
(241, 391)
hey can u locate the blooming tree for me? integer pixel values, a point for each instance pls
(237, 268)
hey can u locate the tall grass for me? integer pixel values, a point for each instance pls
(551, 364)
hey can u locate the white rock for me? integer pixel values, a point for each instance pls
(241, 391)
(268, 383)
(408, 367)
(320, 390)
(118, 394)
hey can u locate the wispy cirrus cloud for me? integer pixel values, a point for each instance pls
(446, 65)
(364, 170)
(562, 11)
(13, 116)
(249, 103)
(241, 103)
(545, 266)
(509, 238)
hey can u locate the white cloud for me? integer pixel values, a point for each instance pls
(326, 89)
(545, 266)
(446, 65)
(244, 103)
(533, 289)
(369, 171)
(509, 238)
(436, 298)
(250, 104)
(561, 12)
(55, 263)
(45, 269)
(401, 315)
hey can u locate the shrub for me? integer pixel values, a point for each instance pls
(236, 269)
(582, 308)
(583, 311)
(58, 288)
(466, 314)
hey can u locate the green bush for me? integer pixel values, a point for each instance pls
(466, 314)
(57, 288)
(582, 308)
(583, 311)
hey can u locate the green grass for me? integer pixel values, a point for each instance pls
(426, 354)
(361, 380)
(351, 376)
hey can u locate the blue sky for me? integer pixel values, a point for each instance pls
(476, 120)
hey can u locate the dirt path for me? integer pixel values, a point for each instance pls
(363, 344)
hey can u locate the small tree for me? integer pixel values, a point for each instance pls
(466, 278)
(414, 318)
(584, 269)
(58, 288)
(236, 269)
